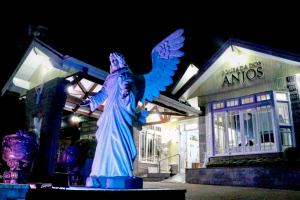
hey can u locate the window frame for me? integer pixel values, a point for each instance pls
(143, 135)
(282, 125)
(240, 108)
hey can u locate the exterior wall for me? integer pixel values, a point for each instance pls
(202, 140)
(275, 77)
(50, 106)
(173, 150)
(293, 84)
(287, 177)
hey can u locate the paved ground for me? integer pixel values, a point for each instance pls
(197, 192)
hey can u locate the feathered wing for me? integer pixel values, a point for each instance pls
(165, 58)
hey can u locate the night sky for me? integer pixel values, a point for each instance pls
(90, 32)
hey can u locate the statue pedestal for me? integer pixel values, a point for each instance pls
(13, 191)
(74, 193)
(116, 182)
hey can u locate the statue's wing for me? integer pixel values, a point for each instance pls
(165, 58)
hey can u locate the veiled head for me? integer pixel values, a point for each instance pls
(117, 61)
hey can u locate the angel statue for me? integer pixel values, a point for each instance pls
(115, 152)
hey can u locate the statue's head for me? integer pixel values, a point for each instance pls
(117, 61)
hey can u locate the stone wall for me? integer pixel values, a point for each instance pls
(213, 160)
(13, 191)
(49, 108)
(283, 177)
(202, 139)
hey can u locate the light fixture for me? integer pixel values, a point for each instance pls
(188, 74)
(155, 117)
(42, 59)
(75, 119)
(235, 57)
(70, 89)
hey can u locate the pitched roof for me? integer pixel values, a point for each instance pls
(35, 57)
(191, 84)
(21, 79)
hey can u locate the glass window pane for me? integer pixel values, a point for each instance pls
(265, 128)
(251, 128)
(234, 132)
(281, 97)
(283, 113)
(231, 103)
(263, 97)
(218, 105)
(150, 142)
(247, 100)
(286, 138)
(219, 133)
(250, 139)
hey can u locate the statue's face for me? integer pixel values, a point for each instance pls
(116, 61)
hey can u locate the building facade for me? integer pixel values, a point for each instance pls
(164, 144)
(251, 99)
(249, 95)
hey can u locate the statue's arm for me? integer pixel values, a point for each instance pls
(98, 99)
(126, 82)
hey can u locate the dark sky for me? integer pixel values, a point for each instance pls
(91, 31)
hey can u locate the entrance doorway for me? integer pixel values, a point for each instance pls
(189, 148)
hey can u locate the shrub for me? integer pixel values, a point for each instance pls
(248, 162)
(87, 146)
(291, 154)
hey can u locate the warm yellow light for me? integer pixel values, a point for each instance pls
(44, 61)
(70, 89)
(155, 117)
(75, 119)
(174, 119)
(235, 57)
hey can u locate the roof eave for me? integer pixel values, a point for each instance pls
(240, 43)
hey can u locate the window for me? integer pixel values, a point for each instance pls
(219, 127)
(231, 103)
(189, 127)
(249, 122)
(263, 97)
(286, 138)
(265, 128)
(283, 113)
(247, 100)
(149, 143)
(234, 132)
(281, 96)
(218, 105)
(284, 120)
(252, 127)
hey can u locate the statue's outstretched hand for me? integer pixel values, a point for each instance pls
(85, 102)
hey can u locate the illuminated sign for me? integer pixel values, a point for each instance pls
(242, 73)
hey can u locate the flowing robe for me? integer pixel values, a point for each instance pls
(115, 151)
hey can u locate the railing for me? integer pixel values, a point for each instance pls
(152, 159)
(159, 162)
